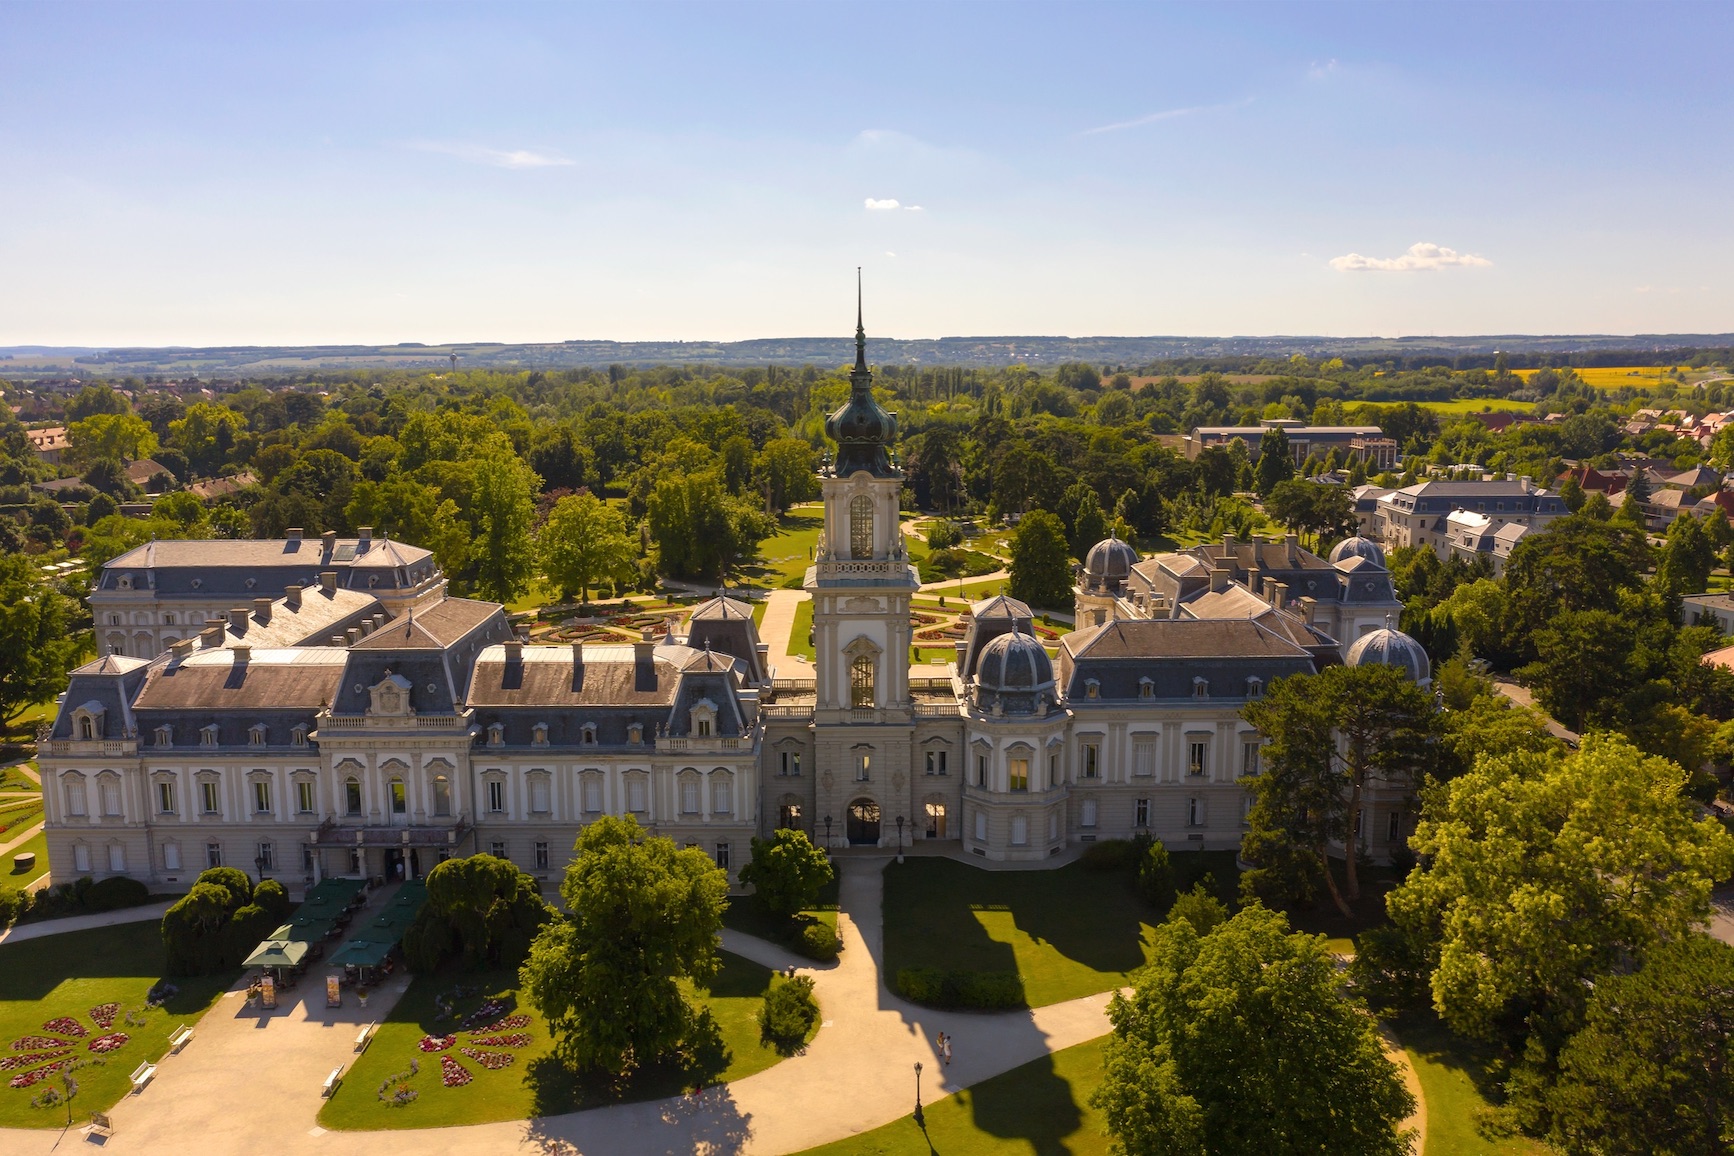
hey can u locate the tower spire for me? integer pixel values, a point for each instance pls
(860, 330)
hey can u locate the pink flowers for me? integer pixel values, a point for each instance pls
(436, 1043)
(37, 1075)
(111, 1042)
(105, 1015)
(452, 1073)
(40, 1043)
(11, 1063)
(493, 1061)
(65, 1026)
(510, 1040)
(510, 1023)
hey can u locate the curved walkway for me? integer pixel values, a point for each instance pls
(250, 1093)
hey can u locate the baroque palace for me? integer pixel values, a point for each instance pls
(303, 709)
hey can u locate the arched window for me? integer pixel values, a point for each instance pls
(352, 796)
(861, 681)
(442, 796)
(861, 526)
(399, 798)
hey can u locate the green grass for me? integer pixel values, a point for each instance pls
(800, 642)
(67, 975)
(536, 1084)
(786, 554)
(1039, 1108)
(1467, 405)
(1455, 1087)
(13, 779)
(941, 913)
(23, 726)
(22, 879)
(745, 915)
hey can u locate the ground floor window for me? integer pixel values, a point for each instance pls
(497, 849)
(1396, 827)
(213, 854)
(935, 820)
(1020, 833)
(1142, 813)
(116, 857)
(722, 856)
(171, 857)
(81, 857)
(981, 826)
(265, 858)
(789, 817)
(541, 856)
(1087, 813)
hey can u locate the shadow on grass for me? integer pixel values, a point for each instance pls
(1031, 1103)
(33, 968)
(1323, 918)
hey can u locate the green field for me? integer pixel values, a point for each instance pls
(68, 975)
(14, 779)
(1037, 1109)
(1454, 1085)
(800, 644)
(785, 556)
(1468, 405)
(535, 1084)
(747, 916)
(19, 880)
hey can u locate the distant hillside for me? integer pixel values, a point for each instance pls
(247, 360)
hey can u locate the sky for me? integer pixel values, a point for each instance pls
(213, 174)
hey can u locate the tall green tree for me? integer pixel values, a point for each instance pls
(787, 872)
(123, 436)
(1686, 561)
(787, 471)
(1088, 525)
(1241, 1043)
(503, 515)
(493, 909)
(1041, 564)
(584, 544)
(1577, 563)
(1275, 465)
(412, 511)
(643, 916)
(36, 644)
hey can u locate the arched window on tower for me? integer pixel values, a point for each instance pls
(861, 681)
(861, 526)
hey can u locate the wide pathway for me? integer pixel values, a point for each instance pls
(20, 932)
(774, 631)
(250, 1083)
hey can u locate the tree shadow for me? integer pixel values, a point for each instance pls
(708, 1123)
(1032, 1103)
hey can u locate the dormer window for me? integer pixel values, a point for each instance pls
(1146, 687)
(635, 733)
(165, 736)
(86, 727)
(87, 721)
(256, 735)
(208, 735)
(1255, 688)
(703, 719)
(539, 735)
(496, 734)
(587, 734)
(125, 582)
(1200, 688)
(1092, 688)
(298, 735)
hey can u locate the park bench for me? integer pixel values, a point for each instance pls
(331, 1082)
(179, 1039)
(141, 1076)
(365, 1037)
(100, 1126)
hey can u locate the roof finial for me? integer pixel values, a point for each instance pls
(860, 330)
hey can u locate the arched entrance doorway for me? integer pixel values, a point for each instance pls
(863, 825)
(935, 808)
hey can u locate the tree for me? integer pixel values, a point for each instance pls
(643, 916)
(412, 511)
(492, 908)
(1321, 510)
(36, 646)
(1686, 561)
(1577, 563)
(583, 544)
(788, 472)
(502, 514)
(1326, 737)
(1240, 1042)
(698, 529)
(1652, 1071)
(1275, 466)
(122, 436)
(1088, 525)
(787, 872)
(1041, 565)
(1544, 871)
(1583, 668)
(1571, 493)
(208, 435)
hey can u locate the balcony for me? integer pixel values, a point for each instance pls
(441, 833)
(423, 722)
(89, 748)
(709, 744)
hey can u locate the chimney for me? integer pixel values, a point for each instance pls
(1228, 543)
(328, 582)
(514, 651)
(364, 539)
(339, 640)
(243, 655)
(329, 539)
(354, 635)
(292, 597)
(1219, 579)
(181, 648)
(367, 627)
(644, 650)
(212, 634)
(1279, 594)
(1308, 607)
(262, 609)
(1291, 543)
(238, 619)
(294, 535)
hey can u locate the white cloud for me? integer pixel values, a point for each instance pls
(890, 205)
(1321, 69)
(889, 253)
(498, 158)
(1166, 114)
(1422, 256)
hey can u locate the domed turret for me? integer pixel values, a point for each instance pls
(860, 426)
(1014, 663)
(1108, 563)
(1359, 547)
(1387, 647)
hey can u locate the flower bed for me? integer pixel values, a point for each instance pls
(509, 1040)
(105, 1015)
(65, 1026)
(39, 1043)
(509, 1024)
(493, 1061)
(436, 1043)
(452, 1073)
(29, 1059)
(490, 1009)
(109, 1043)
(37, 1075)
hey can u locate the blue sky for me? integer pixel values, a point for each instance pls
(208, 174)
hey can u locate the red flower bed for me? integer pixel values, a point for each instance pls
(510, 1040)
(39, 1043)
(65, 1026)
(452, 1073)
(111, 1042)
(12, 1063)
(37, 1075)
(493, 1061)
(436, 1043)
(105, 1015)
(509, 1024)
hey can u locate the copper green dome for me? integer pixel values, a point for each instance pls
(861, 428)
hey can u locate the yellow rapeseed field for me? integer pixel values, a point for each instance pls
(1614, 376)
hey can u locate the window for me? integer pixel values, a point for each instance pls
(81, 858)
(981, 826)
(861, 526)
(1092, 688)
(304, 797)
(981, 770)
(1087, 813)
(1142, 813)
(936, 762)
(266, 858)
(1018, 774)
(1249, 757)
(496, 734)
(209, 797)
(587, 735)
(861, 681)
(635, 796)
(86, 727)
(592, 794)
(171, 856)
(169, 619)
(108, 793)
(1255, 688)
(634, 732)
(689, 796)
(298, 736)
(307, 858)
(1053, 771)
(1195, 753)
(1200, 688)
(1143, 756)
(539, 794)
(1020, 832)
(165, 736)
(497, 849)
(165, 798)
(352, 796)
(213, 854)
(864, 769)
(1146, 688)
(539, 735)
(496, 797)
(789, 817)
(791, 763)
(261, 795)
(722, 856)
(116, 858)
(256, 735)
(208, 735)
(1394, 827)
(1092, 754)
(541, 855)
(1195, 812)
(399, 797)
(721, 794)
(703, 722)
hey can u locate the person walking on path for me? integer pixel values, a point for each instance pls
(945, 1048)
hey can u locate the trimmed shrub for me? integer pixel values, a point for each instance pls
(819, 942)
(271, 896)
(13, 905)
(115, 892)
(1156, 877)
(1204, 911)
(789, 1013)
(428, 942)
(250, 925)
(937, 987)
(234, 881)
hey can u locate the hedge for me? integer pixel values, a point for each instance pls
(937, 987)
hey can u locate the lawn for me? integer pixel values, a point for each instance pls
(69, 975)
(945, 914)
(19, 880)
(747, 916)
(23, 727)
(535, 1083)
(801, 631)
(1468, 405)
(787, 553)
(14, 779)
(1455, 1086)
(1039, 1108)
(1368, 911)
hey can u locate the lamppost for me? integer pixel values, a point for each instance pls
(900, 838)
(259, 865)
(827, 834)
(920, 1122)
